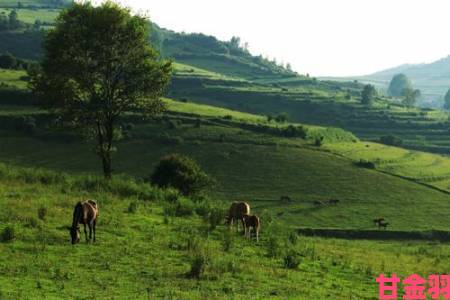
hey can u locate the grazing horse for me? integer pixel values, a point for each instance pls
(237, 212)
(85, 213)
(383, 224)
(251, 222)
(333, 201)
(285, 199)
(378, 221)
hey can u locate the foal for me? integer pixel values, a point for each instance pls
(251, 221)
(85, 213)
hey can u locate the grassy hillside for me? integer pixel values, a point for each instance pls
(432, 79)
(144, 252)
(245, 153)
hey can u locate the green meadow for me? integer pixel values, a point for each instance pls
(263, 133)
(142, 251)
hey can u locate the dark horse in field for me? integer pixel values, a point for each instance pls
(85, 213)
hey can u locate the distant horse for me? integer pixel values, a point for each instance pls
(378, 221)
(333, 201)
(318, 203)
(237, 212)
(383, 224)
(285, 199)
(252, 222)
(85, 213)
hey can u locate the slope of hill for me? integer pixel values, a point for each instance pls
(245, 153)
(145, 251)
(433, 79)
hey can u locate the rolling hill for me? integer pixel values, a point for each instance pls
(433, 79)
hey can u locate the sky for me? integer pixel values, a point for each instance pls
(319, 37)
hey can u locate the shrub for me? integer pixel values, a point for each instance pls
(295, 131)
(291, 260)
(198, 266)
(215, 217)
(228, 117)
(227, 241)
(273, 246)
(132, 208)
(293, 238)
(180, 208)
(181, 173)
(365, 164)
(42, 213)
(8, 234)
(318, 142)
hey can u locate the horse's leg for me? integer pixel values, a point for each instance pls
(85, 233)
(94, 227)
(90, 230)
(257, 234)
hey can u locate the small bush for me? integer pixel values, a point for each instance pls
(291, 260)
(318, 142)
(7, 235)
(293, 238)
(180, 208)
(273, 247)
(133, 207)
(227, 241)
(42, 213)
(365, 164)
(295, 131)
(216, 216)
(182, 173)
(198, 266)
(228, 117)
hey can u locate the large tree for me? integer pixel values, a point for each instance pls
(398, 85)
(368, 94)
(410, 97)
(97, 65)
(447, 100)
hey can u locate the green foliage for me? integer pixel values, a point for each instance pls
(391, 140)
(365, 164)
(42, 213)
(133, 207)
(274, 247)
(291, 259)
(368, 94)
(198, 266)
(8, 234)
(120, 73)
(410, 97)
(447, 100)
(182, 173)
(398, 85)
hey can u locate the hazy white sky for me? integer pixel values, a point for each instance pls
(320, 37)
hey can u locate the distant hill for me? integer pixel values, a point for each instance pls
(432, 79)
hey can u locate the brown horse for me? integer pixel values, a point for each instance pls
(85, 213)
(251, 222)
(237, 212)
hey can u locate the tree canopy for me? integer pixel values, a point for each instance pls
(398, 85)
(447, 100)
(368, 94)
(97, 65)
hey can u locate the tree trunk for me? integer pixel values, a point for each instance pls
(104, 144)
(106, 162)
